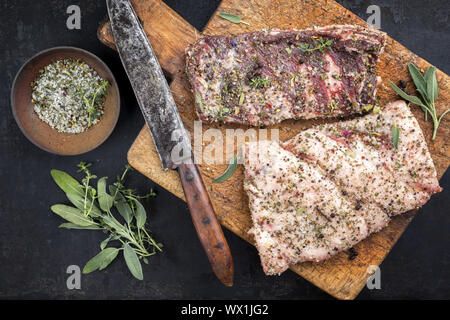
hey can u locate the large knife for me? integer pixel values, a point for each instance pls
(170, 138)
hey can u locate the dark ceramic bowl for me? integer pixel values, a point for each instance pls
(39, 132)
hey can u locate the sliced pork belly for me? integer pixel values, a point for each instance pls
(360, 156)
(298, 212)
(329, 187)
(265, 77)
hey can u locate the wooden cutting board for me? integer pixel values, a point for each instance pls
(170, 34)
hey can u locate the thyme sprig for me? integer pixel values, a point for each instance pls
(428, 89)
(259, 82)
(92, 101)
(320, 45)
(94, 209)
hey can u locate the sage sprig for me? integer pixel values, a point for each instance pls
(232, 18)
(428, 89)
(94, 209)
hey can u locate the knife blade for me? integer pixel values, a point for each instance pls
(149, 85)
(171, 140)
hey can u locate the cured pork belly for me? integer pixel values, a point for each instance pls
(265, 77)
(331, 186)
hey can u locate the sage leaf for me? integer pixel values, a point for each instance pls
(132, 262)
(101, 260)
(78, 201)
(432, 86)
(141, 215)
(232, 18)
(122, 205)
(72, 214)
(405, 96)
(70, 225)
(395, 135)
(418, 79)
(104, 243)
(104, 199)
(65, 181)
(115, 225)
(229, 171)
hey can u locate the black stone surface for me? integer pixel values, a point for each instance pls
(34, 253)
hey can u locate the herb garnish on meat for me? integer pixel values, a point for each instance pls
(259, 82)
(320, 45)
(395, 135)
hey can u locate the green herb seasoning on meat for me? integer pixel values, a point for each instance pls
(69, 95)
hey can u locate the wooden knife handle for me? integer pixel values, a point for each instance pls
(208, 228)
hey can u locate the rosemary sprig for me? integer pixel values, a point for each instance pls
(428, 88)
(94, 210)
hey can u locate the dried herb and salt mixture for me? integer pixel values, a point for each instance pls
(69, 95)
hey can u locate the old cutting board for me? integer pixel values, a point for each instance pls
(170, 34)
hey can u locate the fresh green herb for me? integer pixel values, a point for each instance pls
(350, 154)
(427, 86)
(94, 208)
(376, 109)
(101, 260)
(92, 103)
(199, 101)
(259, 82)
(367, 107)
(395, 135)
(288, 50)
(320, 45)
(132, 261)
(232, 18)
(241, 98)
(300, 210)
(229, 171)
(293, 80)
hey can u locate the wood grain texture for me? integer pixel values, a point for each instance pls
(206, 224)
(169, 35)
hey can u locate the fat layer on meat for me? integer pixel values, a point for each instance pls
(333, 185)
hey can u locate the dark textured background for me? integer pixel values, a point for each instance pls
(34, 253)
